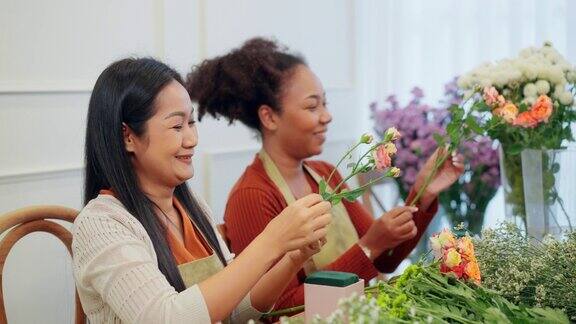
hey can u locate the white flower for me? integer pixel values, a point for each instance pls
(559, 89)
(527, 52)
(571, 76)
(530, 90)
(566, 98)
(485, 83)
(542, 87)
(543, 68)
(530, 72)
(529, 101)
(468, 94)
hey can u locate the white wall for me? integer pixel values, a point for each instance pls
(52, 52)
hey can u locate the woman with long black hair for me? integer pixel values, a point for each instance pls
(144, 247)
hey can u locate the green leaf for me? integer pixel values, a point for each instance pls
(514, 149)
(336, 199)
(452, 128)
(455, 137)
(481, 106)
(322, 187)
(473, 125)
(353, 195)
(457, 112)
(439, 139)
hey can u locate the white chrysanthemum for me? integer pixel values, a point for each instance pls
(530, 72)
(571, 76)
(527, 52)
(559, 89)
(529, 100)
(566, 98)
(555, 74)
(543, 67)
(485, 83)
(530, 90)
(542, 87)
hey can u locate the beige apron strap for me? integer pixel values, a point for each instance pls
(276, 176)
(341, 232)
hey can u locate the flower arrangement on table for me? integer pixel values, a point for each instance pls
(456, 255)
(467, 199)
(531, 99)
(529, 272)
(444, 290)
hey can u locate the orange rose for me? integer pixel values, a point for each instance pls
(542, 109)
(508, 112)
(466, 248)
(473, 271)
(526, 120)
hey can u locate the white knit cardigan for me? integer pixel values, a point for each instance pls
(117, 275)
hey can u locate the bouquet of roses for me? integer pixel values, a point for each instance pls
(529, 102)
(533, 93)
(456, 255)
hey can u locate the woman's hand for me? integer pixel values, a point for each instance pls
(390, 230)
(447, 174)
(300, 224)
(304, 253)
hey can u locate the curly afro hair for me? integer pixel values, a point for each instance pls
(235, 85)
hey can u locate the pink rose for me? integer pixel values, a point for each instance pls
(381, 158)
(491, 96)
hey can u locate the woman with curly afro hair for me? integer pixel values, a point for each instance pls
(275, 93)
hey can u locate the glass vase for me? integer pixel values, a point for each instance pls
(549, 191)
(539, 190)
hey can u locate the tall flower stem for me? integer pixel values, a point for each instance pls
(354, 170)
(368, 184)
(439, 161)
(341, 160)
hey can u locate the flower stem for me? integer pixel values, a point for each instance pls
(369, 183)
(439, 161)
(285, 311)
(342, 159)
(354, 171)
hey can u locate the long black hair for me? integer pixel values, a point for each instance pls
(124, 93)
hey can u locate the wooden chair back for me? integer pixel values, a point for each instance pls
(22, 222)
